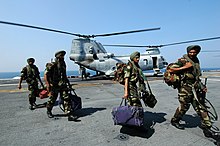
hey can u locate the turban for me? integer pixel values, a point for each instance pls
(135, 55)
(193, 47)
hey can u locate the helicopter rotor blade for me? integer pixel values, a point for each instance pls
(125, 32)
(191, 41)
(159, 46)
(210, 51)
(41, 28)
(79, 35)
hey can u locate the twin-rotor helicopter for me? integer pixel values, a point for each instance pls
(90, 54)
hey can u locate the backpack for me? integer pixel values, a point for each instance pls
(119, 73)
(172, 79)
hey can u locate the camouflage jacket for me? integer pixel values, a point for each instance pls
(135, 75)
(30, 73)
(192, 74)
(56, 75)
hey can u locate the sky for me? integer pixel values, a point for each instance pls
(179, 20)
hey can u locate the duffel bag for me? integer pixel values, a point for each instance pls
(128, 115)
(43, 93)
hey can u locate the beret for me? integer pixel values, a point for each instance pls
(60, 53)
(30, 60)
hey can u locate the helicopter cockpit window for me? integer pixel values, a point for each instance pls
(101, 48)
(91, 50)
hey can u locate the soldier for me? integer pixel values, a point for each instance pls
(31, 74)
(133, 75)
(56, 81)
(191, 85)
(83, 73)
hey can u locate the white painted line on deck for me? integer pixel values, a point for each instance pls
(4, 85)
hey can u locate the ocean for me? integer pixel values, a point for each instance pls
(16, 75)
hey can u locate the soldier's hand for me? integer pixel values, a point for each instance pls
(48, 87)
(19, 87)
(205, 89)
(125, 96)
(188, 65)
(171, 70)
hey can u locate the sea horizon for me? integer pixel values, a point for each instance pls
(16, 75)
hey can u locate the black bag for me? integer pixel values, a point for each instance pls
(76, 102)
(148, 97)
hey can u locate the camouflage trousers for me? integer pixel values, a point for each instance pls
(134, 99)
(64, 95)
(186, 97)
(33, 93)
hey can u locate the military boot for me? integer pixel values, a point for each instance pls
(31, 107)
(72, 117)
(212, 134)
(49, 112)
(176, 124)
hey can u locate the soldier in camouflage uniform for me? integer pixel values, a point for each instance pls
(133, 75)
(190, 69)
(31, 74)
(56, 81)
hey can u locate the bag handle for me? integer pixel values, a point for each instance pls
(125, 101)
(148, 85)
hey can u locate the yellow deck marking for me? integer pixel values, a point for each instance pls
(13, 90)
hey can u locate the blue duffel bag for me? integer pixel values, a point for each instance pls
(128, 115)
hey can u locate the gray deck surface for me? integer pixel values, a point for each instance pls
(21, 126)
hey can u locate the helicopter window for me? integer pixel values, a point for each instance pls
(95, 56)
(91, 51)
(101, 48)
(146, 61)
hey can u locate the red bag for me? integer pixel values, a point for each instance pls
(43, 94)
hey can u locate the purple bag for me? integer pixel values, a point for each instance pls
(128, 115)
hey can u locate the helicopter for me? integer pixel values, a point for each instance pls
(90, 54)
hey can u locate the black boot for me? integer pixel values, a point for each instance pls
(49, 113)
(212, 134)
(72, 117)
(31, 107)
(176, 124)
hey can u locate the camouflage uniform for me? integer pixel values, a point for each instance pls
(133, 73)
(190, 79)
(56, 78)
(31, 74)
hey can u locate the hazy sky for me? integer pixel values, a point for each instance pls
(180, 20)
